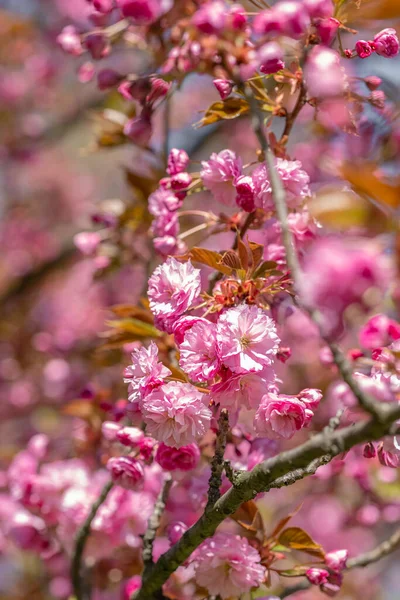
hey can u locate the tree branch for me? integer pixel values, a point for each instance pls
(80, 543)
(217, 463)
(279, 198)
(277, 471)
(154, 523)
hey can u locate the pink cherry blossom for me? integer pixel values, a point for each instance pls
(176, 414)
(219, 174)
(198, 352)
(295, 181)
(163, 201)
(178, 161)
(279, 416)
(142, 12)
(184, 458)
(247, 339)
(173, 288)
(379, 331)
(336, 560)
(237, 390)
(126, 472)
(324, 73)
(226, 565)
(317, 576)
(224, 87)
(145, 373)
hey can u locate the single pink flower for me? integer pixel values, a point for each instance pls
(219, 174)
(198, 352)
(162, 202)
(145, 373)
(270, 58)
(247, 339)
(126, 472)
(295, 181)
(173, 288)
(184, 458)
(324, 74)
(279, 416)
(227, 566)
(237, 390)
(176, 414)
(317, 576)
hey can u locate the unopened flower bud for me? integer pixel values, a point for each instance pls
(159, 89)
(245, 193)
(178, 161)
(108, 78)
(87, 242)
(317, 576)
(319, 9)
(224, 87)
(138, 130)
(179, 183)
(98, 45)
(336, 560)
(141, 12)
(363, 49)
(326, 29)
(372, 82)
(70, 41)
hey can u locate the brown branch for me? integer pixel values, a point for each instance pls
(291, 118)
(217, 463)
(279, 197)
(154, 523)
(280, 470)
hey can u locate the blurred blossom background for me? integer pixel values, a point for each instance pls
(61, 174)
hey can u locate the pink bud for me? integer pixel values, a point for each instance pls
(142, 12)
(98, 45)
(270, 58)
(363, 49)
(369, 450)
(159, 89)
(283, 354)
(146, 446)
(333, 585)
(224, 87)
(129, 436)
(336, 560)
(70, 41)
(377, 99)
(126, 472)
(175, 531)
(326, 29)
(179, 182)
(323, 74)
(245, 193)
(178, 161)
(135, 90)
(108, 78)
(185, 458)
(238, 17)
(86, 72)
(386, 43)
(138, 130)
(317, 576)
(372, 82)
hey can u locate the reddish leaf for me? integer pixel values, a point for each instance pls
(297, 539)
(207, 257)
(231, 108)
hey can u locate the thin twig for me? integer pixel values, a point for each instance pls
(291, 118)
(363, 560)
(154, 523)
(80, 543)
(217, 464)
(279, 198)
